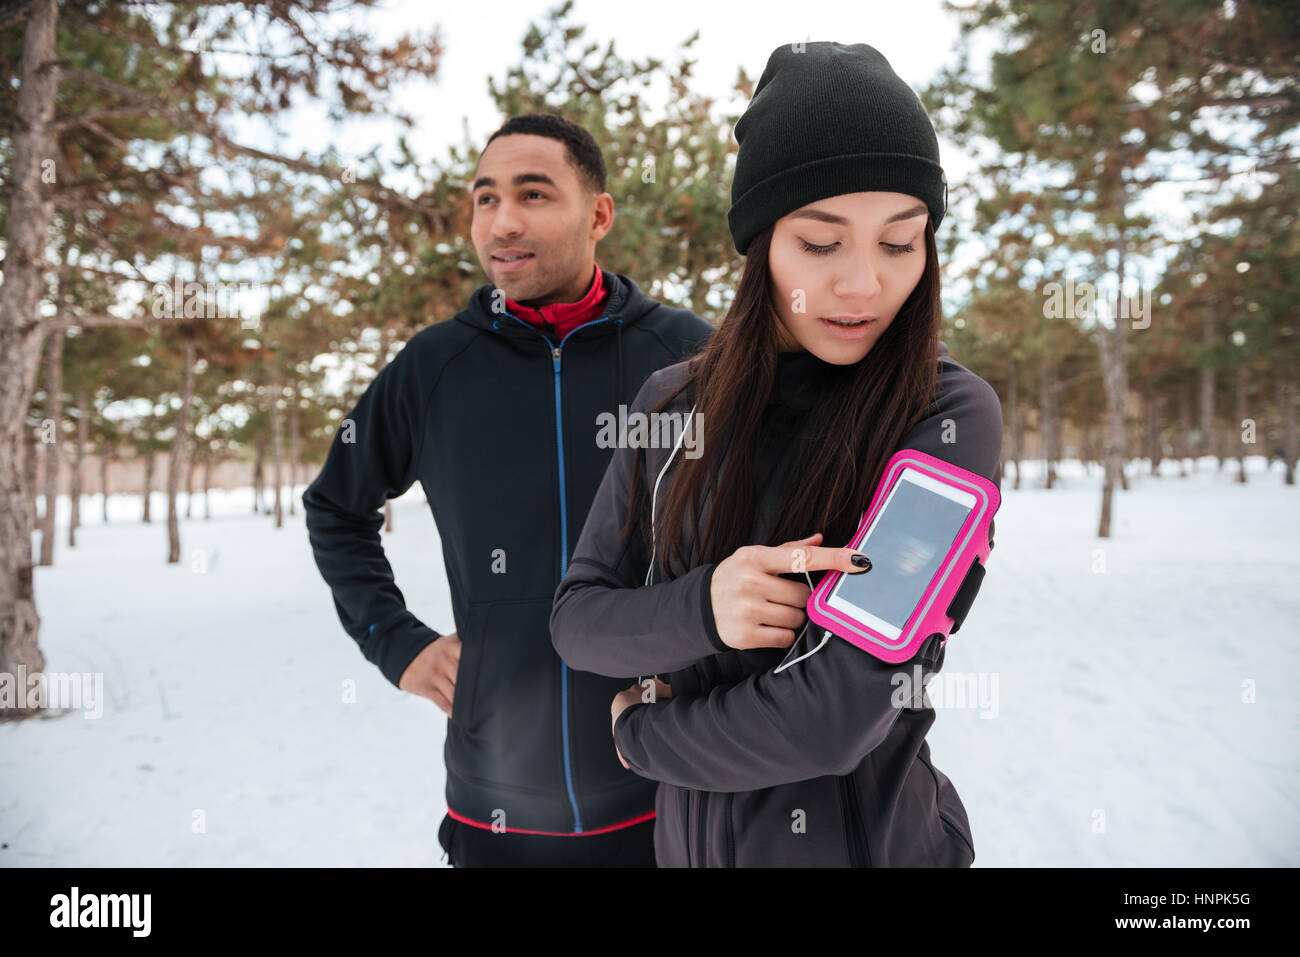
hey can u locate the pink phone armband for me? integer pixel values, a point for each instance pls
(897, 547)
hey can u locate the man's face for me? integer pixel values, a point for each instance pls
(529, 202)
(846, 257)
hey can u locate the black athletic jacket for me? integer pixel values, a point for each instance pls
(499, 423)
(813, 766)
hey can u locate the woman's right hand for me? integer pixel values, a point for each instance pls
(753, 606)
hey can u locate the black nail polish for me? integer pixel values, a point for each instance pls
(862, 561)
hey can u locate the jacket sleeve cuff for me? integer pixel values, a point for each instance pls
(628, 744)
(394, 647)
(706, 607)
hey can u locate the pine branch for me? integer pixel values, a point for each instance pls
(15, 13)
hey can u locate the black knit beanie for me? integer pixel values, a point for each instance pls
(827, 119)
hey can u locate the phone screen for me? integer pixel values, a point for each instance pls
(907, 541)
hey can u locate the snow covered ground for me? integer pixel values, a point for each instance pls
(1131, 705)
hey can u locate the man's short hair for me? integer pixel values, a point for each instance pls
(581, 149)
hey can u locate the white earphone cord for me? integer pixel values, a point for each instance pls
(649, 574)
(654, 495)
(826, 636)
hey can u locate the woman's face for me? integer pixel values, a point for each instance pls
(851, 257)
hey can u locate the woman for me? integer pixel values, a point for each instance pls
(821, 763)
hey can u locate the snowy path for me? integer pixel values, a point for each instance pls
(1121, 737)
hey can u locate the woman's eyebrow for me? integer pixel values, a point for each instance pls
(824, 217)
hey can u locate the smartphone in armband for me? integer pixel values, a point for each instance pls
(927, 535)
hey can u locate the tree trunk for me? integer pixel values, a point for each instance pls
(1047, 421)
(207, 482)
(1286, 412)
(29, 213)
(1013, 405)
(205, 451)
(53, 414)
(1114, 370)
(1184, 428)
(78, 459)
(177, 454)
(1155, 452)
(293, 446)
(258, 454)
(1240, 389)
(151, 426)
(33, 456)
(1207, 444)
(104, 454)
(385, 343)
(277, 443)
(191, 466)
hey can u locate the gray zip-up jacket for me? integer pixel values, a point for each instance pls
(812, 766)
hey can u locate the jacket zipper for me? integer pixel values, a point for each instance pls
(690, 799)
(685, 818)
(731, 835)
(564, 554)
(853, 822)
(700, 824)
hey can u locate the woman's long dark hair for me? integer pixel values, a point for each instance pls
(860, 425)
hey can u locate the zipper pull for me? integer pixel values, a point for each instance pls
(555, 357)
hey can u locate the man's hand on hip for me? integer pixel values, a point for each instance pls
(432, 673)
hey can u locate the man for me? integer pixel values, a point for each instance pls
(496, 413)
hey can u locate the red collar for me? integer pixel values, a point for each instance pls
(563, 317)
